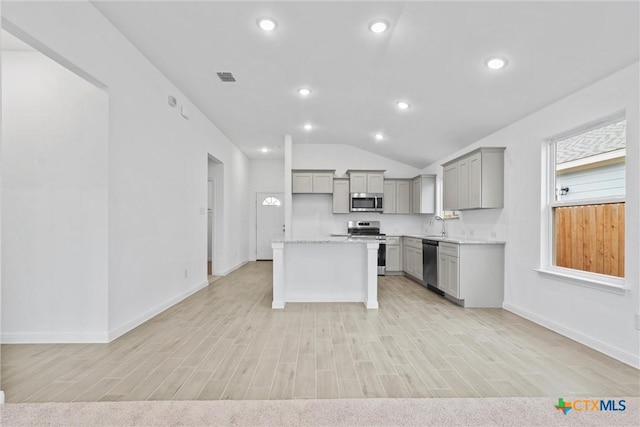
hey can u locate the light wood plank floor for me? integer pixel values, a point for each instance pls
(225, 342)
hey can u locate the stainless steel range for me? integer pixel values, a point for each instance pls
(370, 230)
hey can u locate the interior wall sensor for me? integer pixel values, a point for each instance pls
(184, 112)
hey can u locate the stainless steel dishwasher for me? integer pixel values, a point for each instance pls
(430, 265)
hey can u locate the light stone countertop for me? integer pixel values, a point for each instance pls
(457, 240)
(332, 239)
(343, 238)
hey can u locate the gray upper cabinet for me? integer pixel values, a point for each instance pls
(340, 196)
(450, 187)
(463, 183)
(358, 182)
(312, 181)
(474, 193)
(403, 196)
(397, 196)
(362, 181)
(389, 197)
(375, 183)
(475, 180)
(423, 194)
(302, 182)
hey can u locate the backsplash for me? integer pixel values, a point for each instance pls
(313, 218)
(487, 224)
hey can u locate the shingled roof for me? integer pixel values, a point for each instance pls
(597, 141)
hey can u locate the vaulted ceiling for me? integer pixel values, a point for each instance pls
(433, 56)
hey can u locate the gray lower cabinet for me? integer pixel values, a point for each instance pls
(394, 255)
(449, 270)
(472, 274)
(412, 257)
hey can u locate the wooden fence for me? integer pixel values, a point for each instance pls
(591, 238)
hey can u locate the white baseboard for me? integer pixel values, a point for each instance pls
(55, 338)
(616, 353)
(230, 270)
(1, 397)
(121, 330)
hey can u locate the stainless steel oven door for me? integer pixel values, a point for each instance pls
(382, 259)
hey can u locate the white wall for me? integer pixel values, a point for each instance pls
(157, 169)
(600, 319)
(343, 157)
(1, 156)
(267, 176)
(54, 225)
(313, 214)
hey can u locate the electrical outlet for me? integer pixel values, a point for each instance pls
(186, 273)
(493, 234)
(471, 232)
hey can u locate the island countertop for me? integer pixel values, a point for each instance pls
(326, 269)
(333, 239)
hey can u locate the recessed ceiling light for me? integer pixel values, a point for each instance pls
(307, 126)
(402, 105)
(265, 150)
(378, 26)
(304, 91)
(267, 24)
(496, 63)
(379, 136)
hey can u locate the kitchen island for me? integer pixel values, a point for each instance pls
(327, 270)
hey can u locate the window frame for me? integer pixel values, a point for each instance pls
(570, 275)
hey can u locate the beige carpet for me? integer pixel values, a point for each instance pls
(370, 412)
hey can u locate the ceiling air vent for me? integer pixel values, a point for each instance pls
(226, 77)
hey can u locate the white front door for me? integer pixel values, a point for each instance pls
(269, 222)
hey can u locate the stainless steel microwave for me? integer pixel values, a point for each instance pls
(365, 202)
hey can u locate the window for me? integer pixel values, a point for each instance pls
(587, 198)
(271, 201)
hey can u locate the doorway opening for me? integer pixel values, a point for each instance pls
(215, 176)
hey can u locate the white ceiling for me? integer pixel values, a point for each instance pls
(433, 56)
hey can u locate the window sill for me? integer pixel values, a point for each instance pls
(595, 281)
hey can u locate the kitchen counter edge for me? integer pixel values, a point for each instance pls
(458, 241)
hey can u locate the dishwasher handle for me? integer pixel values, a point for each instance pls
(430, 242)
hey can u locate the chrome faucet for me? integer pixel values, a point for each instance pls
(444, 228)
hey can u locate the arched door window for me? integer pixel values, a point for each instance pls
(271, 201)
